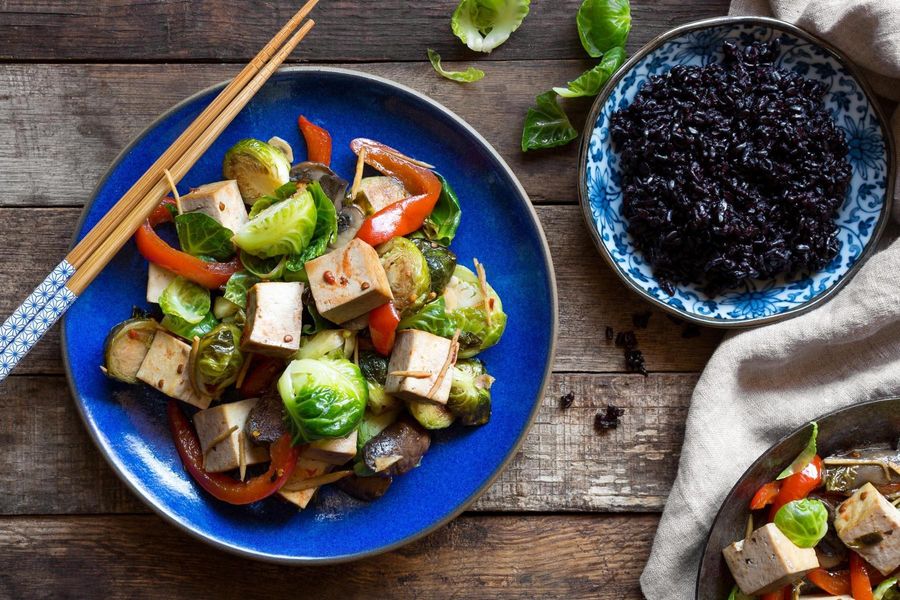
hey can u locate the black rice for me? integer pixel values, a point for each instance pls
(731, 171)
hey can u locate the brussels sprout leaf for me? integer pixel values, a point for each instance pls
(237, 287)
(201, 235)
(805, 456)
(318, 321)
(590, 82)
(468, 76)
(546, 125)
(186, 300)
(324, 233)
(441, 224)
(482, 25)
(264, 268)
(189, 331)
(603, 25)
(281, 229)
(737, 594)
(433, 318)
(887, 590)
(264, 202)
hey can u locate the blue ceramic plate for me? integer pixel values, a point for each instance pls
(498, 226)
(861, 218)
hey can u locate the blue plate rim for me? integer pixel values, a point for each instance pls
(187, 527)
(584, 195)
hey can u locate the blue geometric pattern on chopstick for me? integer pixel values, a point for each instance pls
(22, 316)
(34, 330)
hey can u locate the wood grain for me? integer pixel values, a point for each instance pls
(564, 464)
(347, 30)
(584, 556)
(590, 296)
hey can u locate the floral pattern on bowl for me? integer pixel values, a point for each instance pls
(861, 218)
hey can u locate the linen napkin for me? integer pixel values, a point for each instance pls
(762, 383)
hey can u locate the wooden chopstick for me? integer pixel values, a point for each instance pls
(87, 246)
(108, 247)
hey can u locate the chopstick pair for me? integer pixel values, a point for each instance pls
(53, 297)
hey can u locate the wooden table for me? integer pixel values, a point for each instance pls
(575, 513)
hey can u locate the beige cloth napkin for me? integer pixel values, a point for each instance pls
(762, 383)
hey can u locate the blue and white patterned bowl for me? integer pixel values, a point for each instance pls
(861, 218)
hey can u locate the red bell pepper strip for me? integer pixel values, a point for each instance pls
(407, 215)
(318, 141)
(383, 323)
(833, 582)
(211, 275)
(798, 485)
(263, 373)
(765, 495)
(782, 594)
(221, 486)
(860, 584)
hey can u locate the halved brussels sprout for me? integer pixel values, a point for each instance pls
(222, 307)
(431, 416)
(324, 398)
(466, 303)
(186, 300)
(283, 228)
(379, 400)
(331, 343)
(407, 273)
(372, 424)
(281, 144)
(470, 392)
(259, 168)
(126, 346)
(441, 262)
(216, 360)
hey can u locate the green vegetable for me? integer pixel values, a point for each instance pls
(441, 263)
(258, 167)
(284, 228)
(590, 82)
(441, 224)
(546, 124)
(264, 202)
(201, 235)
(324, 233)
(804, 522)
(323, 398)
(470, 392)
(407, 273)
(330, 343)
(189, 331)
(223, 308)
(237, 287)
(737, 594)
(216, 362)
(482, 25)
(468, 76)
(887, 590)
(373, 366)
(805, 457)
(373, 424)
(431, 416)
(465, 303)
(379, 400)
(315, 323)
(186, 300)
(263, 268)
(126, 346)
(433, 318)
(603, 25)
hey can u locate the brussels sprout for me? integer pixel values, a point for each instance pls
(216, 360)
(466, 303)
(237, 287)
(431, 416)
(281, 144)
(332, 184)
(373, 366)
(186, 300)
(324, 398)
(331, 343)
(804, 522)
(407, 273)
(372, 424)
(258, 167)
(126, 346)
(189, 331)
(379, 400)
(223, 307)
(441, 262)
(264, 202)
(283, 228)
(266, 269)
(470, 392)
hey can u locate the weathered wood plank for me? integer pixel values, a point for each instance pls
(585, 556)
(564, 464)
(346, 30)
(590, 295)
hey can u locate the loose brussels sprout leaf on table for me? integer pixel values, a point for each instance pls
(441, 263)
(285, 228)
(201, 235)
(259, 168)
(482, 25)
(470, 392)
(590, 82)
(407, 273)
(217, 360)
(470, 75)
(324, 398)
(126, 346)
(603, 25)
(186, 300)
(546, 124)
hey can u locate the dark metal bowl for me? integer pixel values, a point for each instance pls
(874, 422)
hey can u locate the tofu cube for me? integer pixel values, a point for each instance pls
(274, 318)
(158, 279)
(165, 368)
(420, 352)
(220, 200)
(306, 468)
(348, 282)
(223, 453)
(334, 451)
(869, 524)
(767, 560)
(376, 193)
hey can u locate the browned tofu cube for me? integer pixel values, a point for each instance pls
(348, 282)
(220, 200)
(767, 561)
(416, 361)
(274, 318)
(165, 368)
(870, 524)
(335, 451)
(306, 468)
(222, 450)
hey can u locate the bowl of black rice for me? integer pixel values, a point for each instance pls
(736, 171)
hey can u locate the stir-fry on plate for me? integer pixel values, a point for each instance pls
(307, 355)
